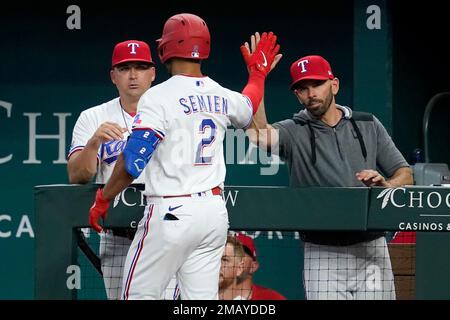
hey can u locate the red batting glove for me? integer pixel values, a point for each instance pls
(98, 210)
(261, 60)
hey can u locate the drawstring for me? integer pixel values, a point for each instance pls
(312, 141)
(360, 139)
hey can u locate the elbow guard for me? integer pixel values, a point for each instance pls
(139, 150)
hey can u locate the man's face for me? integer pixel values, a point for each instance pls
(230, 267)
(317, 95)
(132, 79)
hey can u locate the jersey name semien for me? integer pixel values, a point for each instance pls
(204, 103)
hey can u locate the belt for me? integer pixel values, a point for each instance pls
(339, 238)
(216, 191)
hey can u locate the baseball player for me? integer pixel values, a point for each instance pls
(329, 145)
(177, 144)
(100, 135)
(239, 263)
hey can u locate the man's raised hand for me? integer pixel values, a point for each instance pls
(262, 54)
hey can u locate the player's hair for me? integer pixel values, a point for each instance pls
(237, 246)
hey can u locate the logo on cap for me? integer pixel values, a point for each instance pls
(310, 67)
(133, 46)
(303, 63)
(127, 51)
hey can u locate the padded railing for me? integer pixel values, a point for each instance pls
(59, 209)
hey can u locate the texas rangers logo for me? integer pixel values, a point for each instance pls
(133, 46)
(111, 151)
(302, 64)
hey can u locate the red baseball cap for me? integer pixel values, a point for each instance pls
(310, 67)
(131, 50)
(248, 244)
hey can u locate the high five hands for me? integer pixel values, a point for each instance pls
(262, 53)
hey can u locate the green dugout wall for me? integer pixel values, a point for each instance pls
(50, 73)
(61, 208)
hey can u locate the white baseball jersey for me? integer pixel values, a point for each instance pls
(190, 115)
(88, 122)
(113, 249)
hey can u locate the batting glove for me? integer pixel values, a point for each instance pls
(98, 210)
(262, 59)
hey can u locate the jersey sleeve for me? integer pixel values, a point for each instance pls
(240, 110)
(389, 158)
(151, 115)
(84, 129)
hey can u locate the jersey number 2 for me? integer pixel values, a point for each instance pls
(205, 142)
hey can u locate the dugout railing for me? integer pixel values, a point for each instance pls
(59, 209)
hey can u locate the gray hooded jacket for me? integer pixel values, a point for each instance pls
(320, 155)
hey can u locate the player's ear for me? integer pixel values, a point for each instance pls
(255, 266)
(240, 268)
(335, 86)
(153, 73)
(113, 76)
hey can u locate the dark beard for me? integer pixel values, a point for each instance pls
(323, 108)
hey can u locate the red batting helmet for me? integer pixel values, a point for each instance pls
(184, 36)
